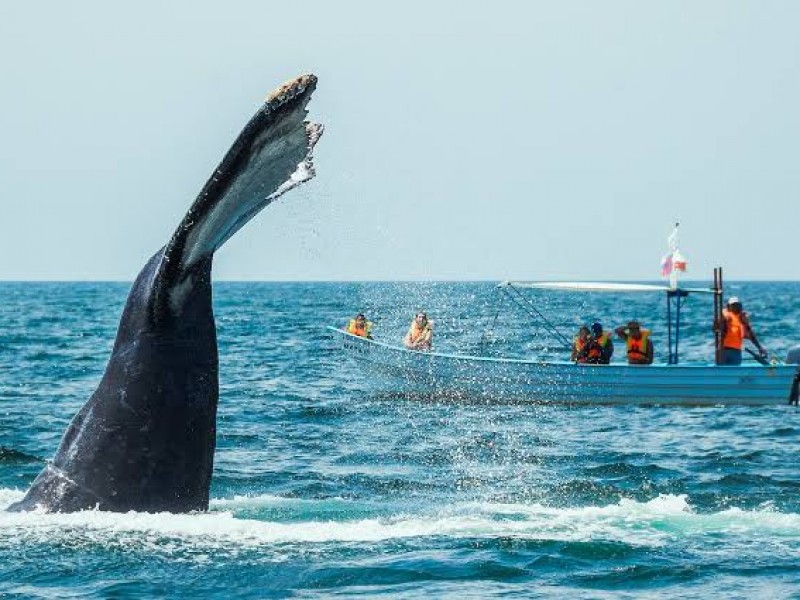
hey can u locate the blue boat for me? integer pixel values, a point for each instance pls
(399, 370)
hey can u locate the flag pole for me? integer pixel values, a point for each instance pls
(716, 316)
(673, 244)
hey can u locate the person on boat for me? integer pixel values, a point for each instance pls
(579, 344)
(637, 342)
(734, 328)
(360, 326)
(420, 333)
(599, 347)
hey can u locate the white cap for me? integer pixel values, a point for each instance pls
(733, 300)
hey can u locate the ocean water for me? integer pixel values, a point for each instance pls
(322, 488)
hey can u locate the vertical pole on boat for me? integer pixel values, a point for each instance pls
(669, 329)
(677, 324)
(718, 293)
(674, 324)
(717, 317)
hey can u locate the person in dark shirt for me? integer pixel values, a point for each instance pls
(600, 347)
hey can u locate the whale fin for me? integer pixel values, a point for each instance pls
(272, 155)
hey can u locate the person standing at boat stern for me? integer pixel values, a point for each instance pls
(637, 342)
(734, 328)
(420, 333)
(600, 347)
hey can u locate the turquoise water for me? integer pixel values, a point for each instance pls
(322, 488)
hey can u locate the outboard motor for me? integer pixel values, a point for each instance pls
(793, 358)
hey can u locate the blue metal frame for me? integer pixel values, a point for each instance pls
(674, 297)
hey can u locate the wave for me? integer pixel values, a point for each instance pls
(656, 523)
(9, 455)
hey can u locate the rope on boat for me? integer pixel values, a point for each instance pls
(528, 307)
(485, 335)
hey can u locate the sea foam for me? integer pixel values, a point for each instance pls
(655, 523)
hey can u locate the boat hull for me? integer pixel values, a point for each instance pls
(399, 370)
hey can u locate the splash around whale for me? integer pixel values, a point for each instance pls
(145, 439)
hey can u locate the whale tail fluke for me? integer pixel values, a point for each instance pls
(145, 439)
(272, 155)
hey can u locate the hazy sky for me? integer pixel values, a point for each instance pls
(510, 140)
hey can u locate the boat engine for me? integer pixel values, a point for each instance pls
(793, 358)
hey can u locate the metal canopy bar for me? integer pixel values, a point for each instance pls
(589, 286)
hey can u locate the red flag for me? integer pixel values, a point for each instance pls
(666, 265)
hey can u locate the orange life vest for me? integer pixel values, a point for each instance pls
(596, 348)
(579, 344)
(637, 349)
(359, 331)
(735, 330)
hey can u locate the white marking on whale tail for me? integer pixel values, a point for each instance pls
(305, 170)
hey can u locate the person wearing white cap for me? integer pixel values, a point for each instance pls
(734, 329)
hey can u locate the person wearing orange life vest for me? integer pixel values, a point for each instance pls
(579, 344)
(734, 328)
(599, 348)
(420, 333)
(360, 326)
(637, 342)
